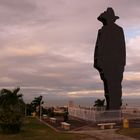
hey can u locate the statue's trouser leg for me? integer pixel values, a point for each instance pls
(105, 89)
(115, 91)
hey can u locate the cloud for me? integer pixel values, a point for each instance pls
(23, 51)
(47, 46)
(16, 12)
(85, 93)
(131, 76)
(133, 45)
(7, 80)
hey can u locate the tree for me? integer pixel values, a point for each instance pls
(11, 110)
(51, 111)
(29, 109)
(36, 104)
(99, 103)
(65, 115)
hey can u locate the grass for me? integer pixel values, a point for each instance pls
(132, 132)
(34, 130)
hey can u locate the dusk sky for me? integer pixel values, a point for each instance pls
(47, 46)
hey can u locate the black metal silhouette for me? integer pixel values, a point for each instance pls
(110, 58)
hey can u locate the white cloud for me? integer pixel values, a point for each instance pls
(132, 76)
(22, 51)
(7, 80)
(85, 93)
(49, 45)
(134, 44)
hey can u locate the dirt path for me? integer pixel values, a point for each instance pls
(108, 134)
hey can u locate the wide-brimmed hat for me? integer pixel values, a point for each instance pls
(111, 14)
(108, 14)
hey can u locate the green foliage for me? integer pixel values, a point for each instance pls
(36, 104)
(66, 113)
(11, 110)
(37, 100)
(34, 130)
(44, 110)
(51, 112)
(99, 103)
(29, 109)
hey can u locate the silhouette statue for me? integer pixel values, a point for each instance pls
(110, 58)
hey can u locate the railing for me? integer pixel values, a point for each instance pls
(100, 115)
(131, 113)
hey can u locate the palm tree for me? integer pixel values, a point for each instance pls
(36, 103)
(99, 103)
(11, 110)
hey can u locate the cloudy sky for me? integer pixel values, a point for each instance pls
(47, 46)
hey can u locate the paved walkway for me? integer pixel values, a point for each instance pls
(108, 134)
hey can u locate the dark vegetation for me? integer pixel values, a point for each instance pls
(12, 109)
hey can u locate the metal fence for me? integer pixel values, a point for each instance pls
(131, 113)
(100, 115)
